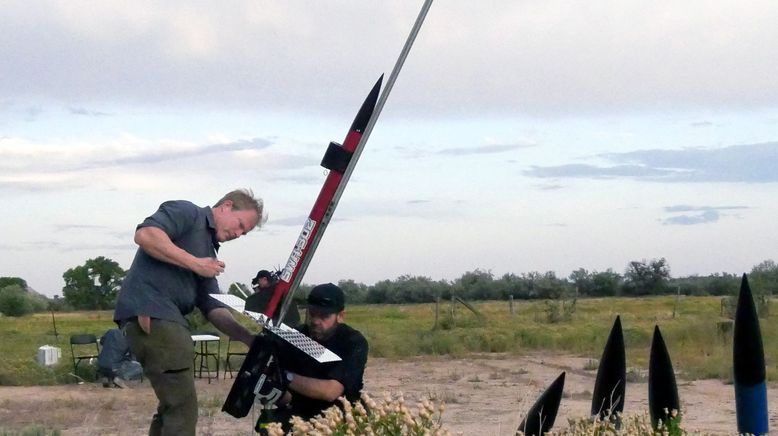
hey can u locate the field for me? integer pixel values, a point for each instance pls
(488, 371)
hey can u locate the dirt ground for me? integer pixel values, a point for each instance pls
(485, 395)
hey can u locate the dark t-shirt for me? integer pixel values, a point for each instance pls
(165, 291)
(257, 302)
(347, 343)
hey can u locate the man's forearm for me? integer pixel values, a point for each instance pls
(157, 244)
(327, 390)
(223, 320)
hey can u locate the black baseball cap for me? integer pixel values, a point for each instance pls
(262, 273)
(327, 298)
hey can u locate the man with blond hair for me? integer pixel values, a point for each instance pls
(173, 272)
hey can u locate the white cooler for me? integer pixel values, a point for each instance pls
(48, 355)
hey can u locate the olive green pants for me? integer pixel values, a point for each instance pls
(166, 355)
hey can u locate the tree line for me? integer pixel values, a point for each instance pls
(95, 285)
(640, 278)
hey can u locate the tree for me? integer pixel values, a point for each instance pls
(605, 283)
(94, 285)
(356, 293)
(8, 281)
(15, 301)
(544, 285)
(58, 304)
(379, 293)
(239, 290)
(476, 285)
(646, 278)
(582, 280)
(764, 278)
(512, 285)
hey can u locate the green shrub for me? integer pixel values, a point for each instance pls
(31, 431)
(559, 310)
(14, 301)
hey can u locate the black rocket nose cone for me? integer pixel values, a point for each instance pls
(366, 111)
(541, 416)
(747, 347)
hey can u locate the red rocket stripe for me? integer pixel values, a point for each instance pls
(323, 207)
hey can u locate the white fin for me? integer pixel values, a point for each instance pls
(283, 331)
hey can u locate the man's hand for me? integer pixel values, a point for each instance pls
(269, 390)
(208, 266)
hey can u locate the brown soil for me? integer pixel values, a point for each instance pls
(485, 395)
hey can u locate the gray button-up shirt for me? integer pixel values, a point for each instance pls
(165, 291)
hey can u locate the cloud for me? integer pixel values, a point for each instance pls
(752, 163)
(91, 229)
(418, 201)
(36, 183)
(79, 227)
(83, 111)
(708, 216)
(67, 165)
(295, 221)
(595, 172)
(549, 187)
(700, 215)
(687, 208)
(63, 247)
(19, 155)
(553, 58)
(483, 149)
(299, 179)
(152, 157)
(32, 113)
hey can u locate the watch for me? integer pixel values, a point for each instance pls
(289, 376)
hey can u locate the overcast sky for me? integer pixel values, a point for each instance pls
(521, 136)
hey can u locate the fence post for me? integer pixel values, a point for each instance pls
(510, 304)
(437, 311)
(677, 298)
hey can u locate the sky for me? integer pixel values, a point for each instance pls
(520, 135)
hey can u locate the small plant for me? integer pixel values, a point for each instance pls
(559, 310)
(591, 365)
(620, 425)
(636, 376)
(761, 301)
(672, 423)
(31, 431)
(388, 417)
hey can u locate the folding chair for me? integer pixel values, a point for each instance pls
(81, 344)
(230, 353)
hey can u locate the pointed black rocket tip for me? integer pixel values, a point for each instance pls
(366, 111)
(662, 388)
(541, 416)
(609, 386)
(747, 347)
(745, 299)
